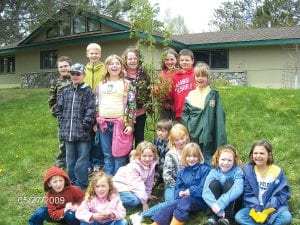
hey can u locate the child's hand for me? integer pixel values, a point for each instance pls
(98, 217)
(184, 193)
(215, 208)
(152, 197)
(68, 206)
(95, 128)
(145, 206)
(128, 130)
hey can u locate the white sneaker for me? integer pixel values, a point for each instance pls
(136, 219)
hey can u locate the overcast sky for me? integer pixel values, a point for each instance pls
(196, 13)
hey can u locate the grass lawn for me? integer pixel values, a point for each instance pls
(28, 142)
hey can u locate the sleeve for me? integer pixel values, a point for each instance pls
(185, 114)
(58, 109)
(52, 97)
(207, 194)
(54, 213)
(221, 137)
(90, 110)
(78, 195)
(118, 209)
(83, 212)
(180, 184)
(196, 189)
(130, 103)
(168, 171)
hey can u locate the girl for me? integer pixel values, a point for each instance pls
(116, 101)
(169, 66)
(188, 190)
(135, 180)
(203, 114)
(102, 203)
(134, 72)
(223, 186)
(178, 138)
(266, 190)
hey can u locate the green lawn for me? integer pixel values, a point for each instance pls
(28, 141)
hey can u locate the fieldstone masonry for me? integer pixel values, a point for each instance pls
(234, 78)
(37, 80)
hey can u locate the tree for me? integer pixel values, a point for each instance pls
(175, 25)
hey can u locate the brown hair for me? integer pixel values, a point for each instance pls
(64, 59)
(192, 149)
(202, 70)
(186, 52)
(164, 124)
(267, 146)
(108, 60)
(141, 147)
(177, 130)
(135, 51)
(225, 148)
(164, 56)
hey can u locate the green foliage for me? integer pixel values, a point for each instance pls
(28, 142)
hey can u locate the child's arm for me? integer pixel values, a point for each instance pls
(196, 189)
(52, 97)
(169, 169)
(90, 109)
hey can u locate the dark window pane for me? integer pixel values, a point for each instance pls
(1, 65)
(219, 59)
(93, 25)
(11, 64)
(52, 32)
(79, 24)
(202, 56)
(48, 59)
(64, 28)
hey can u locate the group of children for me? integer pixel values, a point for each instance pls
(101, 111)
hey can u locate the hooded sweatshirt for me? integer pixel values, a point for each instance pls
(94, 74)
(56, 202)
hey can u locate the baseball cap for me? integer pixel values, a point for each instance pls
(77, 68)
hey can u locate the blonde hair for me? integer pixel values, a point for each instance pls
(178, 130)
(191, 149)
(226, 148)
(141, 147)
(93, 46)
(90, 192)
(202, 70)
(108, 60)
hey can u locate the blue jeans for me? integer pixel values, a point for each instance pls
(242, 217)
(112, 164)
(42, 214)
(114, 222)
(77, 162)
(96, 154)
(129, 199)
(169, 195)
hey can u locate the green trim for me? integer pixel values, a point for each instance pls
(244, 44)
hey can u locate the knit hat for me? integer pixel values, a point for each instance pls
(55, 171)
(77, 68)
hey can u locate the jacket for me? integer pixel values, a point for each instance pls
(207, 126)
(276, 196)
(76, 113)
(136, 178)
(236, 175)
(98, 205)
(56, 202)
(94, 74)
(192, 178)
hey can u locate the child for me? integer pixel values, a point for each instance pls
(95, 71)
(134, 72)
(116, 102)
(62, 199)
(135, 180)
(266, 190)
(102, 203)
(76, 114)
(203, 114)
(223, 186)
(188, 190)
(183, 81)
(169, 66)
(178, 138)
(64, 80)
(161, 142)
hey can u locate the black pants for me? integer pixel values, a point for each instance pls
(139, 129)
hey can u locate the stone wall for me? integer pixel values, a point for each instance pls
(233, 78)
(37, 80)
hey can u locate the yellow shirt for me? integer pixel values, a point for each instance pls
(197, 97)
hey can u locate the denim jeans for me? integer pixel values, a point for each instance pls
(111, 163)
(129, 199)
(114, 222)
(242, 217)
(77, 162)
(96, 154)
(42, 214)
(169, 194)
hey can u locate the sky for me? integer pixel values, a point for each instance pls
(196, 13)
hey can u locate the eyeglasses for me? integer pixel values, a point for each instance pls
(75, 74)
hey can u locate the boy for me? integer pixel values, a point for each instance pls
(62, 199)
(95, 71)
(76, 114)
(56, 88)
(183, 81)
(161, 140)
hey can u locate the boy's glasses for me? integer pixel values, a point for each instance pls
(75, 74)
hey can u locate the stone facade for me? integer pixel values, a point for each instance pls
(233, 78)
(37, 80)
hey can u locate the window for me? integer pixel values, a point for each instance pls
(7, 64)
(216, 58)
(79, 24)
(48, 59)
(93, 25)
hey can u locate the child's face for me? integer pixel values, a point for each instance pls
(77, 78)
(180, 142)
(185, 62)
(162, 134)
(191, 160)
(93, 55)
(201, 81)
(132, 61)
(63, 68)
(260, 155)
(226, 161)
(114, 67)
(147, 157)
(170, 61)
(102, 188)
(57, 183)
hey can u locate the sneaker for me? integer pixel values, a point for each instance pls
(136, 219)
(210, 221)
(223, 221)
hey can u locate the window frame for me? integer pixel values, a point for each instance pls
(5, 61)
(48, 54)
(211, 58)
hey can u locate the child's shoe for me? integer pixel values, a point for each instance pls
(136, 219)
(210, 221)
(224, 221)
